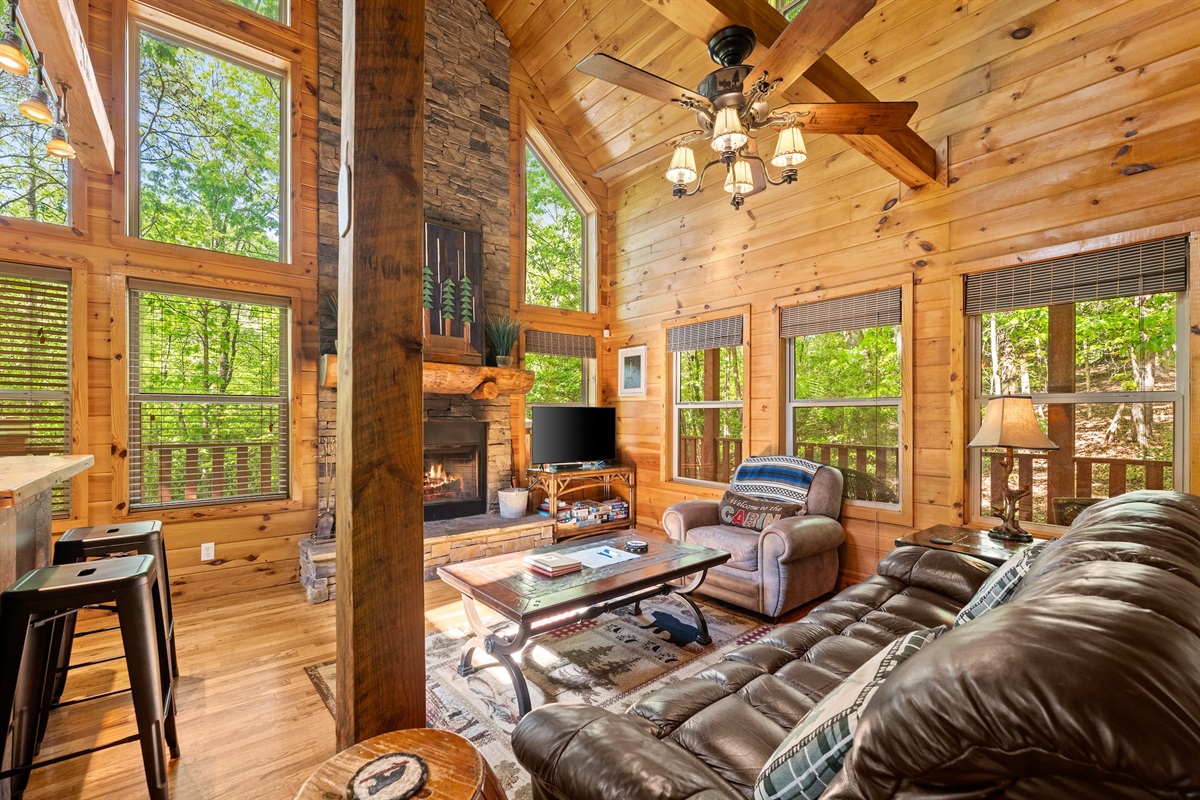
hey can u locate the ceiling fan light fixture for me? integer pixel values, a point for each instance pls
(789, 149)
(738, 179)
(683, 165)
(12, 59)
(728, 133)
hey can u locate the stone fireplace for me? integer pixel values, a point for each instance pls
(455, 469)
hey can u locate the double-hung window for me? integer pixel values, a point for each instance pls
(708, 402)
(1095, 339)
(35, 367)
(844, 404)
(208, 397)
(562, 364)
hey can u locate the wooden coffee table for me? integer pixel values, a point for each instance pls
(538, 605)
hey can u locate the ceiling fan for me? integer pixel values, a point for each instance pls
(733, 104)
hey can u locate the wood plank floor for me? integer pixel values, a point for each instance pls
(251, 726)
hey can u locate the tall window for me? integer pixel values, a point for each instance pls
(1094, 339)
(35, 367)
(273, 9)
(561, 364)
(208, 397)
(210, 169)
(555, 254)
(34, 185)
(709, 398)
(844, 406)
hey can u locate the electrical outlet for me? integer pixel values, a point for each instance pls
(208, 551)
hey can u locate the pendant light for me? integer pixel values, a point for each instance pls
(789, 149)
(12, 50)
(37, 106)
(59, 145)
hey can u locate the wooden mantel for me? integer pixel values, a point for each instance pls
(478, 383)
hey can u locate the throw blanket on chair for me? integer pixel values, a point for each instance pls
(785, 479)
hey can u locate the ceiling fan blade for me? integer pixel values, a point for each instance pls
(617, 72)
(851, 118)
(644, 158)
(806, 38)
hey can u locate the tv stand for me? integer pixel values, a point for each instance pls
(583, 483)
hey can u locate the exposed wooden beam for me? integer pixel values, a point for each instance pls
(902, 153)
(55, 29)
(380, 631)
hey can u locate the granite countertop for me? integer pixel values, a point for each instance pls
(22, 477)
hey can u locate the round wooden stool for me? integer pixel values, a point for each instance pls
(456, 769)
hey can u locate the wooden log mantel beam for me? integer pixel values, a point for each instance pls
(55, 29)
(902, 153)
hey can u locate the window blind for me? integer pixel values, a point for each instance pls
(713, 333)
(1147, 268)
(550, 343)
(35, 368)
(869, 310)
(208, 397)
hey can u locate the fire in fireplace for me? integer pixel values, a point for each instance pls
(455, 479)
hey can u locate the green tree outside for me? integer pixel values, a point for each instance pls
(553, 241)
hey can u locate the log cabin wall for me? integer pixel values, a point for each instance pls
(1070, 126)
(255, 542)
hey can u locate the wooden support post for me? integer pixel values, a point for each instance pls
(380, 602)
(1060, 417)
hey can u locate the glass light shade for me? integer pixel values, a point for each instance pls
(728, 133)
(59, 145)
(37, 107)
(1009, 421)
(738, 180)
(683, 165)
(789, 149)
(11, 58)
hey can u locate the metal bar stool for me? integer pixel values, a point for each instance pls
(106, 541)
(29, 610)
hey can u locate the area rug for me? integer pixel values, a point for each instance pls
(607, 662)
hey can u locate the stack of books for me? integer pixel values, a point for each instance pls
(553, 564)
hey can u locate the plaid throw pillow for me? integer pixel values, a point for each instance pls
(809, 757)
(1001, 585)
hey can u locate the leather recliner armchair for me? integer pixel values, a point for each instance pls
(788, 563)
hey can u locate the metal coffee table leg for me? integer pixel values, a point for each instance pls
(502, 648)
(682, 593)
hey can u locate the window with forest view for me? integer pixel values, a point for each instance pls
(1092, 338)
(555, 256)
(211, 165)
(844, 407)
(709, 409)
(208, 398)
(34, 185)
(557, 380)
(35, 368)
(273, 9)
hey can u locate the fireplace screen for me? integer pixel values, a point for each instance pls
(455, 465)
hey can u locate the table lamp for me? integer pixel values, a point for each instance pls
(1009, 422)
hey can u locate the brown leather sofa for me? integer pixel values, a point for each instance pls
(1084, 685)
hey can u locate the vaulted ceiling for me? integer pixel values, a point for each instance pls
(669, 38)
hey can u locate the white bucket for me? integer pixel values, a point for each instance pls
(513, 502)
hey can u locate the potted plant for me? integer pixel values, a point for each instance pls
(502, 333)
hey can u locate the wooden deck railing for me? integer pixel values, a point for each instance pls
(1094, 477)
(210, 470)
(727, 454)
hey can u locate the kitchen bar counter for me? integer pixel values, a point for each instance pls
(25, 484)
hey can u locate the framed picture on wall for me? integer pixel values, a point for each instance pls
(631, 366)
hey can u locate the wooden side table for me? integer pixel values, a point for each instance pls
(456, 769)
(968, 541)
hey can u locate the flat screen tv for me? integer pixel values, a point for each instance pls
(573, 434)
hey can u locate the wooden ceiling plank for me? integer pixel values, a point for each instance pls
(586, 19)
(56, 29)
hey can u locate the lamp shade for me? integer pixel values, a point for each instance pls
(683, 165)
(739, 180)
(789, 149)
(728, 133)
(11, 58)
(37, 107)
(1009, 421)
(59, 145)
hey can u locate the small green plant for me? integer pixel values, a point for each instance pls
(502, 333)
